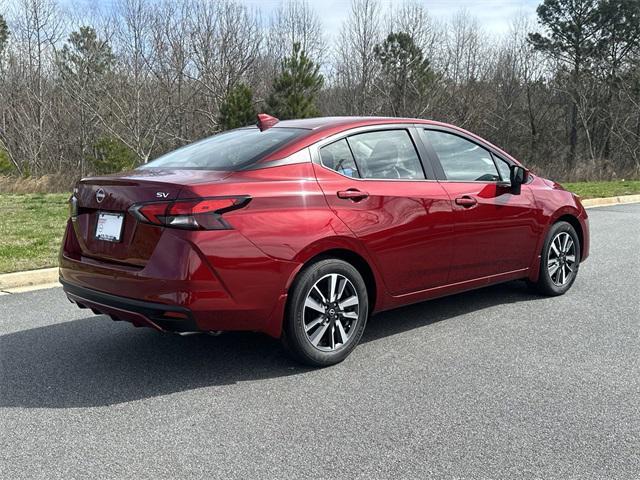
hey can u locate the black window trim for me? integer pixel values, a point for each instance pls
(439, 171)
(496, 158)
(425, 161)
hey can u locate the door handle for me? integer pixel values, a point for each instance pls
(352, 194)
(466, 201)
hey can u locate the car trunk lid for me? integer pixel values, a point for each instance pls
(115, 194)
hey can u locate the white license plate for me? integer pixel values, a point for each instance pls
(109, 226)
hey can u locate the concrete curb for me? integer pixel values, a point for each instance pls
(48, 277)
(30, 278)
(603, 202)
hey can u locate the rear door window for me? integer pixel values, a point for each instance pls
(337, 156)
(386, 154)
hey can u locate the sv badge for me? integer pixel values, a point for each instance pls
(162, 194)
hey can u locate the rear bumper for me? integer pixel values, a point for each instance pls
(220, 280)
(165, 318)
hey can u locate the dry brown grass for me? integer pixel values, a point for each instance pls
(53, 183)
(586, 171)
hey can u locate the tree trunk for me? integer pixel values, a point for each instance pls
(573, 134)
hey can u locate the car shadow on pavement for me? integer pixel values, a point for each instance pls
(97, 362)
(425, 313)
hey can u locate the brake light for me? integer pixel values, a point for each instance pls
(193, 214)
(201, 206)
(154, 212)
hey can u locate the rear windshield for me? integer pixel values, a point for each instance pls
(229, 151)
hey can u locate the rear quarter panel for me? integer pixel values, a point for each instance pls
(288, 217)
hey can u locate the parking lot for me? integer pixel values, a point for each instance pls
(495, 383)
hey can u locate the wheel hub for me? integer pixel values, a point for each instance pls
(562, 259)
(331, 311)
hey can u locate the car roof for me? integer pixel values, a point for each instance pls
(320, 123)
(320, 128)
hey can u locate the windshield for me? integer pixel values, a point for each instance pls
(227, 151)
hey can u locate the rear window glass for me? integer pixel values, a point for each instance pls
(227, 151)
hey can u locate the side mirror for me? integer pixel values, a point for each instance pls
(518, 177)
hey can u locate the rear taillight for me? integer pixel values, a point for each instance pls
(193, 214)
(73, 205)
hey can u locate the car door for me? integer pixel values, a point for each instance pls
(495, 229)
(375, 182)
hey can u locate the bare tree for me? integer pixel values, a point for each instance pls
(468, 64)
(83, 88)
(412, 18)
(170, 37)
(225, 40)
(356, 67)
(28, 123)
(135, 114)
(295, 22)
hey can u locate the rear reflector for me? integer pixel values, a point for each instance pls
(193, 214)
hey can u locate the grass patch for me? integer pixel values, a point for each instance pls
(604, 189)
(31, 229)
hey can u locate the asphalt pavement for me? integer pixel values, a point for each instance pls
(495, 383)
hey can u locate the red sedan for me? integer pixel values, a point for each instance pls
(301, 229)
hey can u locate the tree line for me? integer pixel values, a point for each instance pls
(99, 91)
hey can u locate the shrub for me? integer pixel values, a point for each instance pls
(111, 155)
(6, 167)
(237, 110)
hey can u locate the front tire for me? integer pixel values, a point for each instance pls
(559, 260)
(327, 313)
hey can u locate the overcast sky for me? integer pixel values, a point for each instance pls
(494, 15)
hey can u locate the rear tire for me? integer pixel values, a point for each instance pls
(327, 313)
(559, 260)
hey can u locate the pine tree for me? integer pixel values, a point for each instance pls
(84, 62)
(405, 74)
(296, 89)
(237, 110)
(4, 34)
(85, 57)
(110, 155)
(573, 27)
